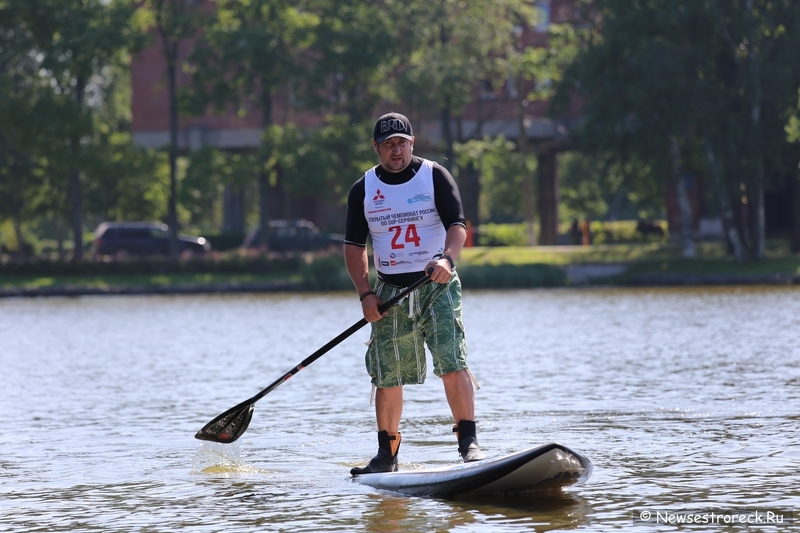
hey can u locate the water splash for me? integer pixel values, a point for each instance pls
(215, 458)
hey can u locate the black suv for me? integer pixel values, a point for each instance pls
(142, 238)
(292, 236)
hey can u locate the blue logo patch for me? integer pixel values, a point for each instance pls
(420, 198)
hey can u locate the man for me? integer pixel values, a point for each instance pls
(411, 208)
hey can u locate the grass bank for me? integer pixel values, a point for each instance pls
(479, 267)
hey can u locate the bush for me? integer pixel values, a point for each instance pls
(603, 232)
(234, 263)
(502, 235)
(223, 242)
(326, 273)
(511, 276)
(625, 232)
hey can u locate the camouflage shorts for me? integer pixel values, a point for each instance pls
(396, 352)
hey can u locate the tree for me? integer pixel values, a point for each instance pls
(793, 135)
(762, 47)
(659, 77)
(174, 23)
(25, 97)
(450, 45)
(537, 70)
(73, 42)
(250, 49)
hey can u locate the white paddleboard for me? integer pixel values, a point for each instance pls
(547, 466)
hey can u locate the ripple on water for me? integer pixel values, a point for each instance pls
(681, 398)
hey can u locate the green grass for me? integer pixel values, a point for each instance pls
(711, 258)
(479, 267)
(565, 255)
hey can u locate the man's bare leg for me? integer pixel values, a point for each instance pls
(389, 409)
(461, 397)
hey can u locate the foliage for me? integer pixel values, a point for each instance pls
(490, 234)
(600, 186)
(717, 78)
(502, 171)
(63, 62)
(707, 76)
(325, 273)
(622, 232)
(511, 276)
(793, 125)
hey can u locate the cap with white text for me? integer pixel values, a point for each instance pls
(392, 125)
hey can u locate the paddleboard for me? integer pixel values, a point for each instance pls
(547, 466)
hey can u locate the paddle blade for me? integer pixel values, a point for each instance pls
(228, 426)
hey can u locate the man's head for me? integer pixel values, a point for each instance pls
(393, 141)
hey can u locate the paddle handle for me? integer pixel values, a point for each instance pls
(385, 306)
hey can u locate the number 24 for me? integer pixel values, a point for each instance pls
(411, 236)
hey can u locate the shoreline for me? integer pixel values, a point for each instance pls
(595, 278)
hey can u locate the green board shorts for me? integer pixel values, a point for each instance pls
(396, 348)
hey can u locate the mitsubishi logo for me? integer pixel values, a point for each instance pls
(378, 196)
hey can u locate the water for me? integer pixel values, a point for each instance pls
(684, 399)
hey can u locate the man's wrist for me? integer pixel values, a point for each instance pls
(448, 258)
(365, 294)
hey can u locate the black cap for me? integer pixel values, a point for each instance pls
(392, 125)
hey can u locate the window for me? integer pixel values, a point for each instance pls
(543, 8)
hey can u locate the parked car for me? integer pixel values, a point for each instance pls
(292, 236)
(142, 238)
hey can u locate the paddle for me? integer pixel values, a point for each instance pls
(231, 424)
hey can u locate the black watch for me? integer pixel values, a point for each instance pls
(449, 260)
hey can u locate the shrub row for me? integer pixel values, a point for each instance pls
(213, 264)
(602, 232)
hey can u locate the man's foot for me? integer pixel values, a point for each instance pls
(386, 459)
(468, 446)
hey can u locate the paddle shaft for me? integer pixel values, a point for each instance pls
(385, 306)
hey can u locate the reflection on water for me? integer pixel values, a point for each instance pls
(682, 399)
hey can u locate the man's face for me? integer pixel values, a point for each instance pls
(394, 153)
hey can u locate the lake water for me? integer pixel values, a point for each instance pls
(684, 400)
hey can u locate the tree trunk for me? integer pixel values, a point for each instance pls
(548, 198)
(759, 233)
(470, 184)
(447, 137)
(726, 211)
(758, 216)
(469, 178)
(527, 181)
(171, 52)
(21, 247)
(233, 209)
(263, 174)
(75, 189)
(795, 192)
(795, 188)
(685, 207)
(59, 230)
(76, 215)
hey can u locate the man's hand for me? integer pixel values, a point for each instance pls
(442, 269)
(369, 305)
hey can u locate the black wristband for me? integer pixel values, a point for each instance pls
(361, 298)
(449, 260)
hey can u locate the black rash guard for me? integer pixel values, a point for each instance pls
(446, 198)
